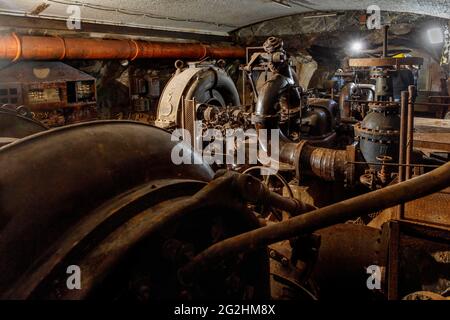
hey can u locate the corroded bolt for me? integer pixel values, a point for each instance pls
(272, 254)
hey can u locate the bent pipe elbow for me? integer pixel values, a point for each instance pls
(370, 87)
(265, 111)
(346, 93)
(327, 164)
(266, 114)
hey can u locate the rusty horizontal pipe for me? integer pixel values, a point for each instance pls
(410, 190)
(16, 47)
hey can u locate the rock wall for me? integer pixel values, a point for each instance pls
(322, 44)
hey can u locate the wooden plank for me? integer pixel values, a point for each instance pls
(432, 140)
(384, 62)
(432, 125)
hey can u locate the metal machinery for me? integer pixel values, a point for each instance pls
(142, 228)
(56, 93)
(214, 99)
(312, 129)
(381, 151)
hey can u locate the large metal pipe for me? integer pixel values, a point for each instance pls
(265, 109)
(16, 47)
(410, 190)
(327, 164)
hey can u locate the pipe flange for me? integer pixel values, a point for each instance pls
(297, 157)
(19, 47)
(391, 108)
(376, 132)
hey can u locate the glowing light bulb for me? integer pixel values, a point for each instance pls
(435, 35)
(357, 46)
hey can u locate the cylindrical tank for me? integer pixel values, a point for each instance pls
(379, 132)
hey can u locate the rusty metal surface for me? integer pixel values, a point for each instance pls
(392, 231)
(434, 209)
(169, 220)
(346, 251)
(424, 257)
(424, 296)
(327, 164)
(212, 214)
(16, 47)
(61, 175)
(107, 217)
(324, 217)
(290, 280)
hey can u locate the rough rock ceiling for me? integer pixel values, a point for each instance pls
(205, 16)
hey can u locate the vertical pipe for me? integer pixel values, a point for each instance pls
(244, 79)
(403, 134)
(402, 145)
(410, 137)
(385, 41)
